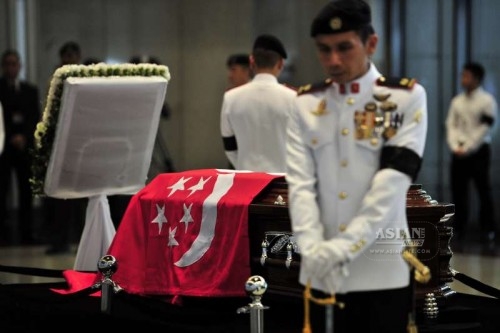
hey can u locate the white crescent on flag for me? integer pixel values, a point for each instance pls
(202, 243)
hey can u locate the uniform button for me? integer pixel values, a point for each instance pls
(345, 131)
(354, 248)
(350, 101)
(343, 195)
(314, 142)
(342, 227)
(374, 141)
(344, 163)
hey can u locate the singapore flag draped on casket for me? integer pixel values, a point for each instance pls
(186, 233)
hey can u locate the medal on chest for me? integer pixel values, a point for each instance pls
(378, 120)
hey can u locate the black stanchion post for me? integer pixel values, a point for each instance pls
(107, 265)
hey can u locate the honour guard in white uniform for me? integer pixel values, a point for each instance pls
(355, 145)
(254, 116)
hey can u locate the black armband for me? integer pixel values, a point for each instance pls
(229, 143)
(401, 159)
(487, 119)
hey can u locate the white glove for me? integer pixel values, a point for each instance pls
(320, 259)
(334, 279)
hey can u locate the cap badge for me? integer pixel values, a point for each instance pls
(336, 23)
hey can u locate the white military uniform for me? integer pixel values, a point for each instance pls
(338, 195)
(256, 115)
(469, 120)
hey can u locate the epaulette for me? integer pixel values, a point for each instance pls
(396, 82)
(309, 88)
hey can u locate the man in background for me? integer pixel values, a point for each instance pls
(238, 73)
(469, 124)
(254, 116)
(21, 113)
(238, 70)
(70, 53)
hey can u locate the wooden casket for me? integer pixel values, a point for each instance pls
(274, 257)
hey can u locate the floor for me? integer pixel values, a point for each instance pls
(33, 256)
(473, 259)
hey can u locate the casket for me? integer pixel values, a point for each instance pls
(275, 257)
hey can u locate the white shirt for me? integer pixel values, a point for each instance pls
(465, 123)
(256, 115)
(337, 192)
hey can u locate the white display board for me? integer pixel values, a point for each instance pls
(105, 136)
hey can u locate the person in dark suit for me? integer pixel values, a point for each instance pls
(21, 112)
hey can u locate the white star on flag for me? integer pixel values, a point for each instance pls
(160, 218)
(178, 186)
(187, 218)
(199, 186)
(171, 237)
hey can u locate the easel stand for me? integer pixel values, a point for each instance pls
(97, 234)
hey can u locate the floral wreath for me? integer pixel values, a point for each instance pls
(46, 129)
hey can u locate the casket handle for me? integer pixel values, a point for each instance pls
(289, 252)
(263, 256)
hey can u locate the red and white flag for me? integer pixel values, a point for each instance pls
(186, 234)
